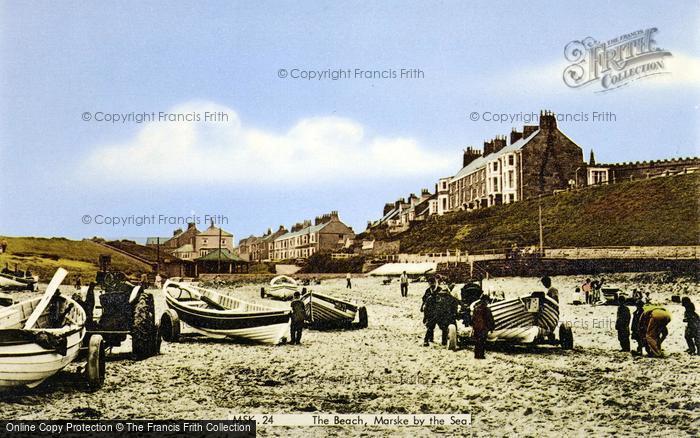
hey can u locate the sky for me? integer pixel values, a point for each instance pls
(76, 76)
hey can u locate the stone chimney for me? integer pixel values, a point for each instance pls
(515, 136)
(591, 160)
(528, 130)
(177, 232)
(190, 225)
(548, 120)
(334, 215)
(470, 154)
(499, 143)
(488, 147)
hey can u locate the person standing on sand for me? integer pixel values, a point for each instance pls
(78, 282)
(639, 309)
(482, 323)
(552, 292)
(404, 284)
(586, 288)
(445, 309)
(428, 309)
(348, 282)
(622, 325)
(297, 320)
(692, 329)
(652, 327)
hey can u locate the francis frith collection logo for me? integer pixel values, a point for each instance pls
(615, 63)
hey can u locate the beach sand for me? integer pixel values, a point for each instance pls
(536, 391)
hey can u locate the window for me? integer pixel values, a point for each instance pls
(511, 198)
(510, 179)
(511, 160)
(495, 166)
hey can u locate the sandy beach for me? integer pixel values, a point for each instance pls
(539, 391)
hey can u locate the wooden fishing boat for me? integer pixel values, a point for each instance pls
(528, 319)
(17, 280)
(220, 316)
(322, 310)
(281, 287)
(6, 300)
(41, 336)
(28, 357)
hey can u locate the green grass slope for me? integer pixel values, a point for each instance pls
(659, 211)
(43, 256)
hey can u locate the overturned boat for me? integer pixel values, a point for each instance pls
(220, 316)
(322, 310)
(281, 287)
(529, 319)
(41, 336)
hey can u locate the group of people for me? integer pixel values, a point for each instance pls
(440, 308)
(648, 326)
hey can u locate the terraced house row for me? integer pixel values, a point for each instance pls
(327, 233)
(538, 160)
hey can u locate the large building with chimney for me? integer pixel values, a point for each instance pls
(326, 234)
(537, 161)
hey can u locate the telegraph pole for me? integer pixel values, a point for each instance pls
(541, 234)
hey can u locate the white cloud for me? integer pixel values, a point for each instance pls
(314, 149)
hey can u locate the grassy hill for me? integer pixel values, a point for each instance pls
(43, 256)
(659, 211)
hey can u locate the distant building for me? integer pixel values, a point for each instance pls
(540, 160)
(326, 234)
(191, 243)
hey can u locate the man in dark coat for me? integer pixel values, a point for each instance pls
(298, 316)
(470, 293)
(622, 325)
(482, 323)
(639, 309)
(445, 311)
(692, 329)
(428, 309)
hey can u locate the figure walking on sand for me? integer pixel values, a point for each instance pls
(622, 325)
(298, 316)
(404, 284)
(652, 327)
(428, 309)
(348, 281)
(692, 329)
(482, 323)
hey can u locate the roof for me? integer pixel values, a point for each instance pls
(185, 248)
(226, 256)
(214, 231)
(307, 230)
(481, 161)
(154, 240)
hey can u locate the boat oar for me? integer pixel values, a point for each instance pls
(46, 299)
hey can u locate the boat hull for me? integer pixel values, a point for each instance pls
(258, 324)
(23, 361)
(525, 319)
(29, 364)
(324, 310)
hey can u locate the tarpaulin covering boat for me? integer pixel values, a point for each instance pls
(219, 316)
(396, 269)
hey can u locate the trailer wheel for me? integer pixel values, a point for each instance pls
(170, 326)
(262, 292)
(144, 328)
(95, 368)
(452, 337)
(363, 321)
(566, 337)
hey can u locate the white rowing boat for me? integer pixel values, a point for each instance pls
(221, 316)
(30, 356)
